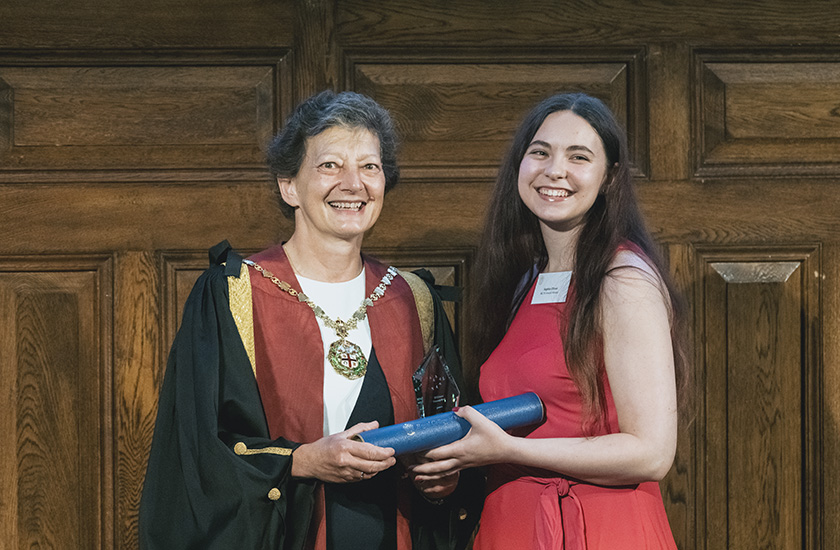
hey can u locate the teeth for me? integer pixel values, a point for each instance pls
(347, 205)
(553, 192)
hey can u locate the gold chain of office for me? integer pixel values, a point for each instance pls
(345, 356)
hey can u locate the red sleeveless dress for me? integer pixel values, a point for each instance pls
(529, 508)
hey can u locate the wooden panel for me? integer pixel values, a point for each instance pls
(56, 463)
(136, 216)
(146, 112)
(186, 23)
(828, 458)
(761, 407)
(179, 271)
(678, 487)
(746, 210)
(138, 375)
(668, 68)
(443, 104)
(536, 23)
(316, 51)
(775, 116)
(712, 109)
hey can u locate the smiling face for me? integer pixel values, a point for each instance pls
(339, 189)
(562, 171)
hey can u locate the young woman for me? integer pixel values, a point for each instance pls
(576, 306)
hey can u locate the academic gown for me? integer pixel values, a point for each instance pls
(220, 464)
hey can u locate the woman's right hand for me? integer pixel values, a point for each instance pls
(338, 459)
(485, 443)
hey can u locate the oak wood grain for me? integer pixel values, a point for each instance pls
(131, 140)
(497, 23)
(57, 454)
(138, 375)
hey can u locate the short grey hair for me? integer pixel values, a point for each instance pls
(321, 112)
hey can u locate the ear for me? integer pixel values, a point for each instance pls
(288, 190)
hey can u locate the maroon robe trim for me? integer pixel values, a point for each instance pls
(290, 358)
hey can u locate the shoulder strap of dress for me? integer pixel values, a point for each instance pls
(425, 307)
(241, 307)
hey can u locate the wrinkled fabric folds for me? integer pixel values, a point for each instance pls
(559, 522)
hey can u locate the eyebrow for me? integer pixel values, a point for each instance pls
(570, 148)
(538, 142)
(339, 155)
(580, 148)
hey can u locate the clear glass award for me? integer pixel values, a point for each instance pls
(434, 386)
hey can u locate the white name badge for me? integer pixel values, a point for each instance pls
(552, 288)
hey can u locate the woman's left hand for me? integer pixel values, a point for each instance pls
(433, 486)
(484, 444)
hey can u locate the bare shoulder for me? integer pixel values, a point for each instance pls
(632, 277)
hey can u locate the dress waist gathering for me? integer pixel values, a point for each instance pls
(559, 519)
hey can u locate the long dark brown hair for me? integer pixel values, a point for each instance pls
(512, 251)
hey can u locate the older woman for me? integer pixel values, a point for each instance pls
(283, 357)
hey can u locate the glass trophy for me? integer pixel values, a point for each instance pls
(434, 386)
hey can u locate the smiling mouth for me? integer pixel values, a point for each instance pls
(351, 206)
(553, 193)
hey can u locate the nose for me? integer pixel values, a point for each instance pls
(556, 169)
(351, 179)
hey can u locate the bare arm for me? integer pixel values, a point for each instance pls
(639, 363)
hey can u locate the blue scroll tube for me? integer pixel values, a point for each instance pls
(439, 429)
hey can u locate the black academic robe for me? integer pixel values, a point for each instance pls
(198, 492)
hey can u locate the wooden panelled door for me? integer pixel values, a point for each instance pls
(131, 138)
